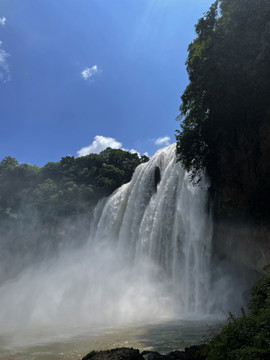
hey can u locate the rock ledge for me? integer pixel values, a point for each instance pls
(190, 353)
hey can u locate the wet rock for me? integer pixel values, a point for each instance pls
(115, 354)
(157, 176)
(176, 355)
(194, 352)
(153, 355)
(190, 353)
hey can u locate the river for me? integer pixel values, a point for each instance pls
(63, 344)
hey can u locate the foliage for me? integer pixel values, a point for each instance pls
(260, 300)
(247, 337)
(228, 93)
(43, 207)
(65, 187)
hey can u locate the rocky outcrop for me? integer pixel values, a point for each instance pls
(190, 353)
(115, 354)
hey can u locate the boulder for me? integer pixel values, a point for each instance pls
(115, 354)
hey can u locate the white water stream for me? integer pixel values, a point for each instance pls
(167, 221)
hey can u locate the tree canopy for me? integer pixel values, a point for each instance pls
(67, 186)
(228, 95)
(44, 207)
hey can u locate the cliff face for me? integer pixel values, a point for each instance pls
(241, 198)
(242, 244)
(244, 174)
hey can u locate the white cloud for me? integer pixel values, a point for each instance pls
(100, 143)
(4, 68)
(133, 151)
(88, 73)
(163, 141)
(3, 21)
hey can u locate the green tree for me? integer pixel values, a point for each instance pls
(8, 163)
(228, 96)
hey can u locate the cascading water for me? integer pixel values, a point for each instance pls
(147, 259)
(161, 214)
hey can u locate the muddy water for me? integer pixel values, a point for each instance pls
(63, 344)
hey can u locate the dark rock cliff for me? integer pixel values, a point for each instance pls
(241, 198)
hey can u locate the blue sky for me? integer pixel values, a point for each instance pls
(79, 75)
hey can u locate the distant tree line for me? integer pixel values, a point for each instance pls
(42, 206)
(65, 187)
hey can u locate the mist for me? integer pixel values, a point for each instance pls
(93, 286)
(144, 255)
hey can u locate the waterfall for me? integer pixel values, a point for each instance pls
(147, 259)
(162, 214)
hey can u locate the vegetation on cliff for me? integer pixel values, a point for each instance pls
(246, 337)
(226, 106)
